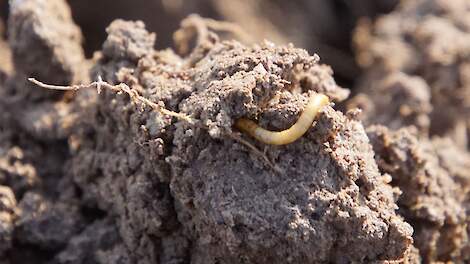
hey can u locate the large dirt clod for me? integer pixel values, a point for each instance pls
(197, 186)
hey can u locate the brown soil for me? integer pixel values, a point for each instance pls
(102, 176)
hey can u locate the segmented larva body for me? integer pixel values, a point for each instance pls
(315, 104)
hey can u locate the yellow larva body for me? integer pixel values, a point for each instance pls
(315, 104)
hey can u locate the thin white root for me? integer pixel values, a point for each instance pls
(314, 105)
(133, 94)
(57, 87)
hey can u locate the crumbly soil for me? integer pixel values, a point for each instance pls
(97, 176)
(418, 56)
(416, 83)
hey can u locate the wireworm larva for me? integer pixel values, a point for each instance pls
(315, 104)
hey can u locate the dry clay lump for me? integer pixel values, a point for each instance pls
(183, 192)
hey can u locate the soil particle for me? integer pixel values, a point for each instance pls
(45, 27)
(171, 183)
(25, 163)
(6, 66)
(91, 245)
(123, 43)
(15, 170)
(397, 101)
(8, 215)
(427, 40)
(46, 225)
(434, 178)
